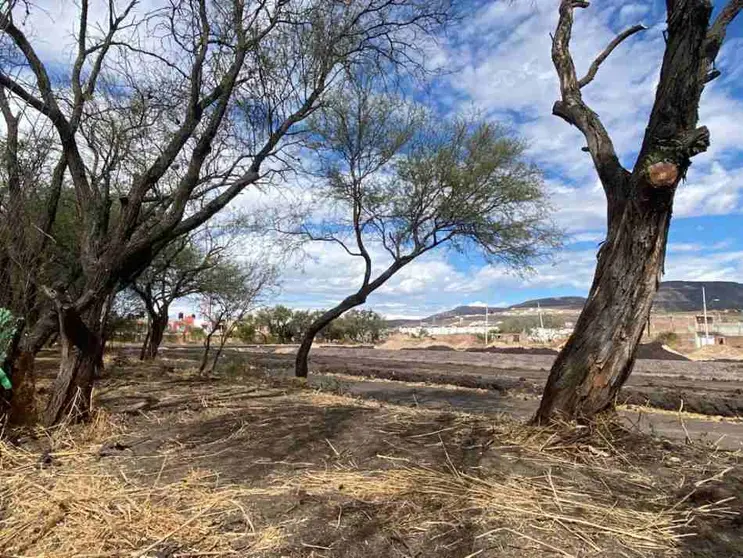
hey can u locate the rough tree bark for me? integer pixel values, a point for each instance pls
(599, 356)
(301, 366)
(17, 405)
(81, 362)
(155, 334)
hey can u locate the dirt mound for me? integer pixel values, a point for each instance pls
(722, 353)
(514, 350)
(430, 348)
(703, 403)
(657, 351)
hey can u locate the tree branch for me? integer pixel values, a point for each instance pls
(573, 109)
(716, 36)
(607, 51)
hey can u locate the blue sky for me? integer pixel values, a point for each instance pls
(500, 61)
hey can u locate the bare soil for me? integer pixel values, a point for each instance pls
(708, 394)
(251, 463)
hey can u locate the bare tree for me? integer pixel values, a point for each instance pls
(182, 269)
(234, 290)
(407, 185)
(599, 356)
(151, 155)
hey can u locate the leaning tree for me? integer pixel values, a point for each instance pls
(599, 356)
(401, 183)
(165, 114)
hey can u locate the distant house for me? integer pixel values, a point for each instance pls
(183, 324)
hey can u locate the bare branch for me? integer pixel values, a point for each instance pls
(716, 36)
(607, 51)
(573, 109)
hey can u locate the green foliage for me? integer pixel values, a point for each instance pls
(246, 330)
(669, 338)
(491, 335)
(283, 325)
(197, 333)
(518, 324)
(277, 322)
(7, 331)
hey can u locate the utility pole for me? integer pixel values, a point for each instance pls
(541, 321)
(704, 306)
(486, 325)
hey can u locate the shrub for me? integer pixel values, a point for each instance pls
(669, 338)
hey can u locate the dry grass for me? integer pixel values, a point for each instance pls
(69, 504)
(73, 503)
(516, 504)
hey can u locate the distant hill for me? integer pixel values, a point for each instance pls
(686, 296)
(673, 296)
(562, 302)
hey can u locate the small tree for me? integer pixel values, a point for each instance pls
(233, 292)
(409, 185)
(246, 329)
(599, 356)
(278, 321)
(182, 269)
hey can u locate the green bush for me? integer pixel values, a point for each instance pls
(669, 338)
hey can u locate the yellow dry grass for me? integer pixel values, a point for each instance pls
(74, 506)
(80, 505)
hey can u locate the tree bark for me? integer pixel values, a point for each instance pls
(81, 361)
(158, 325)
(207, 348)
(220, 350)
(599, 356)
(17, 405)
(301, 367)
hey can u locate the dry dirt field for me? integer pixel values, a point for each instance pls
(249, 462)
(709, 394)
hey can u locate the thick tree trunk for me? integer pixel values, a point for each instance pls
(81, 362)
(17, 405)
(23, 403)
(599, 356)
(155, 334)
(301, 366)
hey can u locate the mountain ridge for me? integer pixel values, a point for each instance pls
(673, 296)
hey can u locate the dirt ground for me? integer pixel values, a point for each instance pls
(250, 463)
(708, 394)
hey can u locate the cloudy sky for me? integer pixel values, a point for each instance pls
(501, 65)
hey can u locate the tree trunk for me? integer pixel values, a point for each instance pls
(81, 362)
(207, 347)
(17, 405)
(599, 356)
(22, 403)
(301, 367)
(146, 342)
(158, 325)
(220, 350)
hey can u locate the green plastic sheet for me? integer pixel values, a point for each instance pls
(7, 331)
